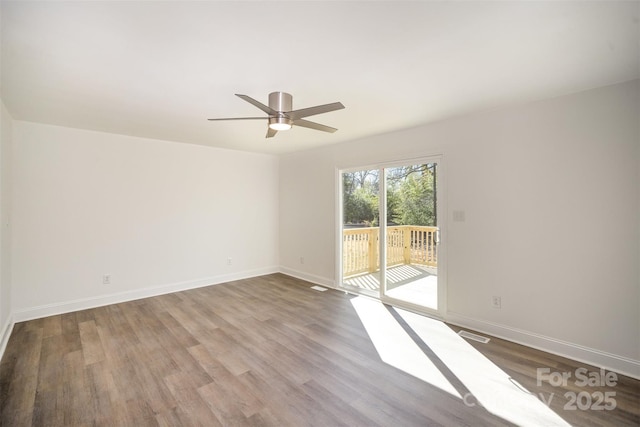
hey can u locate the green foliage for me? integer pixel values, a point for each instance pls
(394, 204)
(360, 198)
(416, 201)
(411, 197)
(361, 207)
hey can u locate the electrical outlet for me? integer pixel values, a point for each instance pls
(496, 302)
(228, 261)
(301, 260)
(106, 279)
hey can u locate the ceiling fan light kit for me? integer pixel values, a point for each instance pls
(280, 123)
(281, 116)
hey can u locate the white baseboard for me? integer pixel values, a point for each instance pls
(601, 359)
(85, 303)
(318, 280)
(7, 328)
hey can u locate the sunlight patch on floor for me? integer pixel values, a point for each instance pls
(395, 347)
(461, 370)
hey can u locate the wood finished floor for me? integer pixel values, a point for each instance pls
(266, 351)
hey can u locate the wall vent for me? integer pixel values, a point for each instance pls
(318, 288)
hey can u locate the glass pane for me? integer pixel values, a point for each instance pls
(360, 231)
(411, 264)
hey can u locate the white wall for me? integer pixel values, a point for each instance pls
(5, 227)
(5, 235)
(156, 216)
(550, 191)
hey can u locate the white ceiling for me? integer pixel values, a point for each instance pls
(160, 69)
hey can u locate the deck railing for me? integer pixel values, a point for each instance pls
(406, 244)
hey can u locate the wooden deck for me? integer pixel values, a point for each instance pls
(406, 244)
(408, 282)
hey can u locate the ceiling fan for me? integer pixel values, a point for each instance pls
(282, 117)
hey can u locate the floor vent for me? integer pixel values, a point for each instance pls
(318, 288)
(475, 337)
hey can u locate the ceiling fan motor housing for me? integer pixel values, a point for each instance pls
(281, 101)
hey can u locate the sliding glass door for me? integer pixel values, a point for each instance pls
(395, 259)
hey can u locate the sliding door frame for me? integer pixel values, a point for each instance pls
(441, 207)
(340, 226)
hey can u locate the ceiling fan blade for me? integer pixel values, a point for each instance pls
(312, 111)
(240, 118)
(258, 104)
(271, 133)
(313, 125)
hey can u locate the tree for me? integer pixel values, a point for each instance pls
(416, 195)
(361, 207)
(416, 198)
(360, 197)
(411, 196)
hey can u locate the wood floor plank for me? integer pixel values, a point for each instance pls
(19, 374)
(92, 350)
(75, 398)
(264, 351)
(191, 405)
(103, 394)
(52, 326)
(342, 410)
(242, 397)
(292, 408)
(230, 360)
